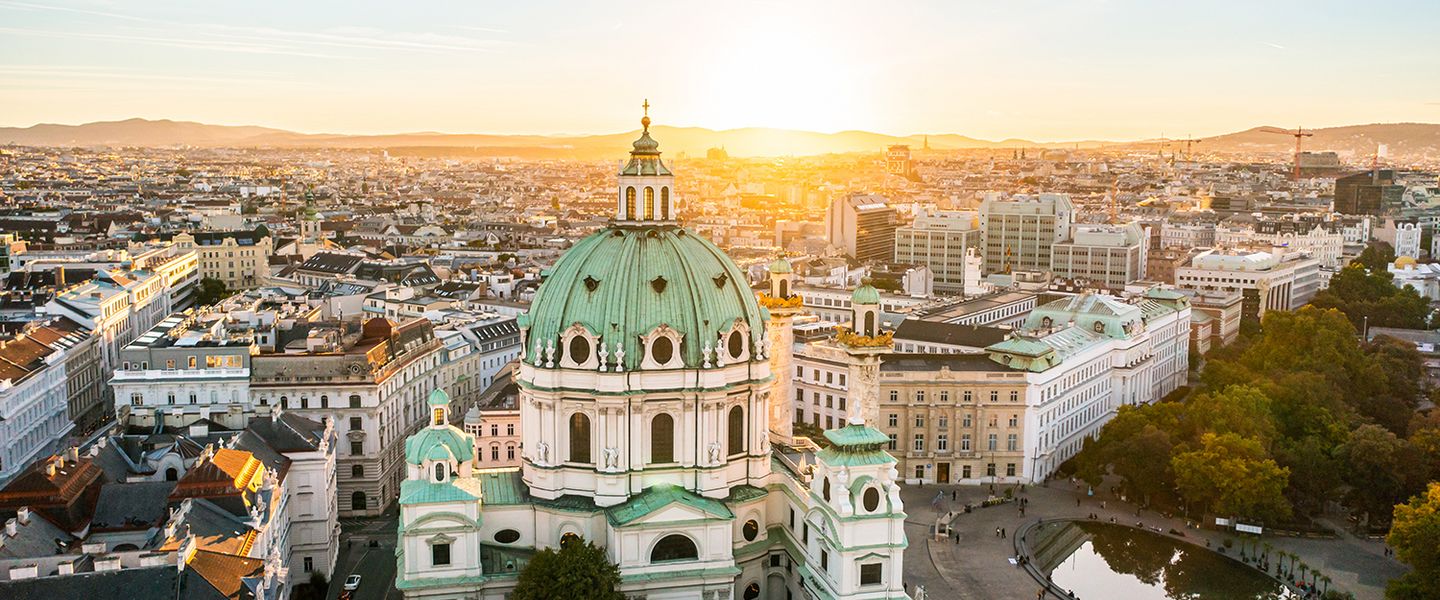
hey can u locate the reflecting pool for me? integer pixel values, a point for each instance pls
(1101, 561)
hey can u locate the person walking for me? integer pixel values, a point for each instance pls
(1040, 595)
(997, 532)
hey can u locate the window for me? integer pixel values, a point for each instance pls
(662, 350)
(507, 536)
(357, 501)
(495, 452)
(170, 398)
(579, 438)
(357, 471)
(824, 561)
(990, 442)
(750, 530)
(752, 592)
(439, 472)
(354, 400)
(355, 423)
(509, 429)
(872, 574)
(920, 396)
(309, 564)
(944, 396)
(630, 204)
(825, 489)
(357, 448)
(994, 396)
(919, 421)
(579, 349)
(674, 547)
(893, 441)
(1014, 420)
(649, 202)
(1014, 396)
(990, 469)
(944, 422)
(842, 380)
(1009, 469)
(894, 420)
(136, 399)
(894, 395)
(965, 442)
(440, 555)
(662, 439)
(494, 430)
(871, 499)
(919, 442)
(737, 430)
(509, 451)
(942, 442)
(965, 422)
(736, 344)
(324, 402)
(1011, 443)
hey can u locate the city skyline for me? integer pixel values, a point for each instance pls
(1121, 70)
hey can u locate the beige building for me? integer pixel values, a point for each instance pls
(953, 418)
(239, 258)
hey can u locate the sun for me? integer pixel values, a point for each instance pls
(769, 76)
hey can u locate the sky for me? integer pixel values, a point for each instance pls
(1039, 70)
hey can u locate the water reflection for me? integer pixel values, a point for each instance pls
(1103, 561)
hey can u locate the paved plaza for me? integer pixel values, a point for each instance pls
(978, 566)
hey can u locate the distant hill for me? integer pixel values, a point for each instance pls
(1403, 139)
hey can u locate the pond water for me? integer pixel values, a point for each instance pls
(1104, 561)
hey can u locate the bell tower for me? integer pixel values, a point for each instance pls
(646, 192)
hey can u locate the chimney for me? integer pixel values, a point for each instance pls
(65, 568)
(93, 547)
(24, 572)
(154, 559)
(187, 551)
(72, 454)
(199, 429)
(107, 563)
(23, 515)
(11, 528)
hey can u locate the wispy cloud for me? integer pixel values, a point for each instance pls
(1274, 45)
(246, 47)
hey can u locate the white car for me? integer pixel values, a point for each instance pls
(352, 583)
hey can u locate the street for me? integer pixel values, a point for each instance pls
(374, 563)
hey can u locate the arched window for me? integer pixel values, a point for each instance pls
(357, 501)
(568, 538)
(825, 489)
(750, 530)
(674, 547)
(324, 401)
(354, 400)
(869, 323)
(649, 202)
(752, 592)
(171, 474)
(579, 438)
(737, 430)
(357, 471)
(439, 471)
(735, 343)
(662, 439)
(630, 203)
(665, 203)
(784, 288)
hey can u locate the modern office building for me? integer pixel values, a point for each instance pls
(939, 239)
(862, 226)
(1020, 232)
(1372, 192)
(1104, 256)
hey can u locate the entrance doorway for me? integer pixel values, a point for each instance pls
(942, 473)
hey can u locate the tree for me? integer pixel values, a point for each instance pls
(1231, 475)
(1415, 535)
(1376, 256)
(1240, 409)
(1381, 469)
(261, 231)
(1371, 296)
(209, 291)
(578, 570)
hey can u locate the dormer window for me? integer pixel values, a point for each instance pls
(578, 348)
(1099, 327)
(440, 472)
(662, 349)
(736, 343)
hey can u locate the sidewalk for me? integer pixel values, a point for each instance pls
(978, 567)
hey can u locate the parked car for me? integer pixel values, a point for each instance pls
(352, 583)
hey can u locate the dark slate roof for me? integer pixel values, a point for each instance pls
(36, 537)
(934, 362)
(137, 583)
(953, 334)
(492, 331)
(289, 433)
(131, 506)
(331, 262)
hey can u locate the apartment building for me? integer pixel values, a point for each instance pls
(1019, 233)
(1266, 280)
(241, 258)
(1106, 256)
(939, 239)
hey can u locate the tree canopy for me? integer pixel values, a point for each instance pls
(1415, 535)
(209, 291)
(579, 570)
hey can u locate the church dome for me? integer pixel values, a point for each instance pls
(780, 266)
(865, 294)
(626, 282)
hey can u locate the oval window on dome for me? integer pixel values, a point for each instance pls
(662, 350)
(507, 536)
(579, 349)
(750, 530)
(752, 592)
(736, 344)
(871, 500)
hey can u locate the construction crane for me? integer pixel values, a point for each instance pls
(1189, 141)
(1298, 134)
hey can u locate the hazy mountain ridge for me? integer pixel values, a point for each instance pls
(1402, 139)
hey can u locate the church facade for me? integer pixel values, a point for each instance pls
(646, 412)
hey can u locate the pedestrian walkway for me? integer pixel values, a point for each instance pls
(978, 565)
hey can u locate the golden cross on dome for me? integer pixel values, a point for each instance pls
(646, 106)
(645, 120)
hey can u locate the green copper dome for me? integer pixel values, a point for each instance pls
(865, 294)
(623, 282)
(438, 398)
(434, 443)
(780, 266)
